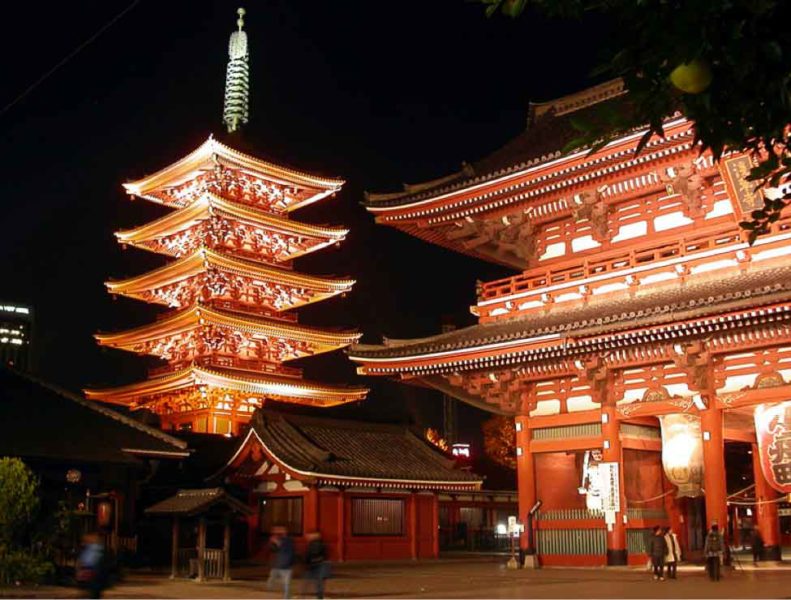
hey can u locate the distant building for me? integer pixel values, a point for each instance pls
(16, 332)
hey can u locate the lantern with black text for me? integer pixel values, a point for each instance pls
(682, 453)
(773, 431)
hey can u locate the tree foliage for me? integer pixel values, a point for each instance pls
(20, 559)
(725, 64)
(499, 440)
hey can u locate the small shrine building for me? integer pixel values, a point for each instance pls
(641, 334)
(371, 489)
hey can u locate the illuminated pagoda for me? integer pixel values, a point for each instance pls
(641, 338)
(230, 285)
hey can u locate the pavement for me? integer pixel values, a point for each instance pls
(478, 577)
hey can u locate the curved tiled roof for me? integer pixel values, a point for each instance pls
(353, 449)
(39, 420)
(550, 129)
(661, 304)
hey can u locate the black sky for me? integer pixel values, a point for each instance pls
(377, 92)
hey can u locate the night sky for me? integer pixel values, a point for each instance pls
(379, 93)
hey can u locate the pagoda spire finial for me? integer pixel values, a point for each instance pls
(237, 80)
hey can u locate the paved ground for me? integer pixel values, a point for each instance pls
(463, 578)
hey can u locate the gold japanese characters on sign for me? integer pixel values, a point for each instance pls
(773, 430)
(682, 453)
(745, 194)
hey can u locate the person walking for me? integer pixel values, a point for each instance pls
(713, 549)
(757, 545)
(91, 570)
(658, 549)
(673, 556)
(316, 562)
(282, 559)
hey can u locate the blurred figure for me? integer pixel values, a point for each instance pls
(282, 562)
(91, 565)
(673, 556)
(316, 562)
(658, 549)
(757, 545)
(713, 549)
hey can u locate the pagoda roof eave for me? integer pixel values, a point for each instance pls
(184, 218)
(182, 169)
(271, 386)
(203, 258)
(197, 315)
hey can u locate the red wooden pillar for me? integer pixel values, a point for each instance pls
(413, 530)
(526, 481)
(714, 468)
(766, 514)
(311, 510)
(435, 526)
(341, 526)
(613, 452)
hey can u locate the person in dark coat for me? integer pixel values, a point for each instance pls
(713, 550)
(316, 562)
(658, 550)
(281, 547)
(757, 544)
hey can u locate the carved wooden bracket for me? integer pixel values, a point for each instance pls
(688, 183)
(591, 206)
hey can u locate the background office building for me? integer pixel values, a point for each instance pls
(16, 327)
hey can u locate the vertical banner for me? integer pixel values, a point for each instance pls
(682, 453)
(610, 487)
(773, 430)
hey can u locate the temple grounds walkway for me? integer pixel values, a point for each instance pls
(462, 578)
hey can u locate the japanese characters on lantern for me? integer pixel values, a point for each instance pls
(682, 453)
(773, 432)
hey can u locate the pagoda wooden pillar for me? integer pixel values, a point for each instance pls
(613, 452)
(714, 468)
(766, 511)
(226, 549)
(435, 526)
(526, 483)
(341, 526)
(201, 548)
(174, 550)
(413, 529)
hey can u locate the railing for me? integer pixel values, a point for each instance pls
(570, 514)
(645, 513)
(229, 362)
(692, 247)
(567, 431)
(637, 540)
(640, 432)
(571, 541)
(213, 562)
(249, 309)
(126, 544)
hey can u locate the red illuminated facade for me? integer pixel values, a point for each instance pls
(231, 291)
(637, 297)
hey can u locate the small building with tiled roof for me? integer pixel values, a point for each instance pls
(85, 454)
(371, 489)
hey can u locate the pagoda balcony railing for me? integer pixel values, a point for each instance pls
(612, 271)
(229, 362)
(252, 310)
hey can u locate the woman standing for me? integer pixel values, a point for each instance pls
(673, 556)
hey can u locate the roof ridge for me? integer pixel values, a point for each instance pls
(157, 433)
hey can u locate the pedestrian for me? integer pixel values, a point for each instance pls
(91, 572)
(713, 549)
(316, 562)
(673, 556)
(757, 545)
(658, 549)
(281, 547)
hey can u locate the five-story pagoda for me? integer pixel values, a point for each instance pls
(230, 286)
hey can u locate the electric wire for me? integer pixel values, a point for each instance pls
(67, 58)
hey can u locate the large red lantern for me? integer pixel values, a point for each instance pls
(104, 514)
(773, 431)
